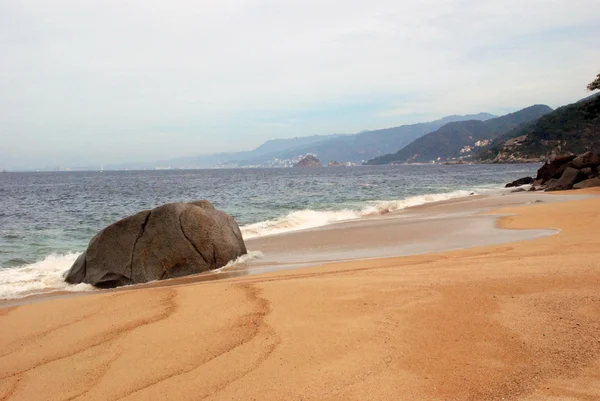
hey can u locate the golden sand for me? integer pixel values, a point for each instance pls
(512, 321)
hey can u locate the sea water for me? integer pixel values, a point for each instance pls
(48, 218)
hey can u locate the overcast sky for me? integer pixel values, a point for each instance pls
(98, 82)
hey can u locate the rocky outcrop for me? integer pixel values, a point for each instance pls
(554, 168)
(169, 241)
(511, 158)
(519, 182)
(569, 177)
(309, 161)
(560, 173)
(585, 160)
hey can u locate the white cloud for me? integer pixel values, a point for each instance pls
(96, 78)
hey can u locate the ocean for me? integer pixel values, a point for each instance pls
(48, 218)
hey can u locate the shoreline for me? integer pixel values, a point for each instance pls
(44, 276)
(515, 320)
(466, 219)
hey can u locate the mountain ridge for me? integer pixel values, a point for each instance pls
(340, 147)
(456, 140)
(573, 128)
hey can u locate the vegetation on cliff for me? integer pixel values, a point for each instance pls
(595, 84)
(574, 128)
(457, 140)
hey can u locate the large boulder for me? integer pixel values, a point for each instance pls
(566, 181)
(554, 168)
(169, 241)
(519, 182)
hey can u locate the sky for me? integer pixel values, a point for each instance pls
(98, 82)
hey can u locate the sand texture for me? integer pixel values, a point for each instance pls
(512, 321)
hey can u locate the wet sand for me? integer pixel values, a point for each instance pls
(435, 227)
(518, 318)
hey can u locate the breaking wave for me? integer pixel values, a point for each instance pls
(47, 276)
(304, 219)
(39, 277)
(251, 255)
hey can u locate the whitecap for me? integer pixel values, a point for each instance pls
(305, 219)
(39, 277)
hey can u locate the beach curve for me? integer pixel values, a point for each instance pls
(514, 321)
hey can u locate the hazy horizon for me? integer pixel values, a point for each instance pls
(106, 82)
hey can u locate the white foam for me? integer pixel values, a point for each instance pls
(299, 220)
(383, 207)
(305, 219)
(251, 255)
(40, 277)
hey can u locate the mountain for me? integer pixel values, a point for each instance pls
(574, 128)
(280, 145)
(228, 159)
(457, 140)
(286, 152)
(361, 146)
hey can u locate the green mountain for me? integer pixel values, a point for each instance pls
(460, 140)
(574, 128)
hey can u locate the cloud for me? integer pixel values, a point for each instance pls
(106, 80)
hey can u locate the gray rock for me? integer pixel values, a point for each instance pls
(169, 241)
(566, 181)
(519, 182)
(550, 183)
(537, 183)
(518, 190)
(587, 159)
(554, 168)
(589, 183)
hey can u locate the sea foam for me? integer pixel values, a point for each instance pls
(251, 255)
(40, 277)
(46, 276)
(304, 219)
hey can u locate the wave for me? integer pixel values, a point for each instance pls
(298, 220)
(251, 255)
(304, 219)
(378, 208)
(48, 276)
(40, 277)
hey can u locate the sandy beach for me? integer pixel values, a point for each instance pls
(497, 298)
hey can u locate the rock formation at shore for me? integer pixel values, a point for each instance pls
(519, 182)
(172, 240)
(309, 161)
(565, 172)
